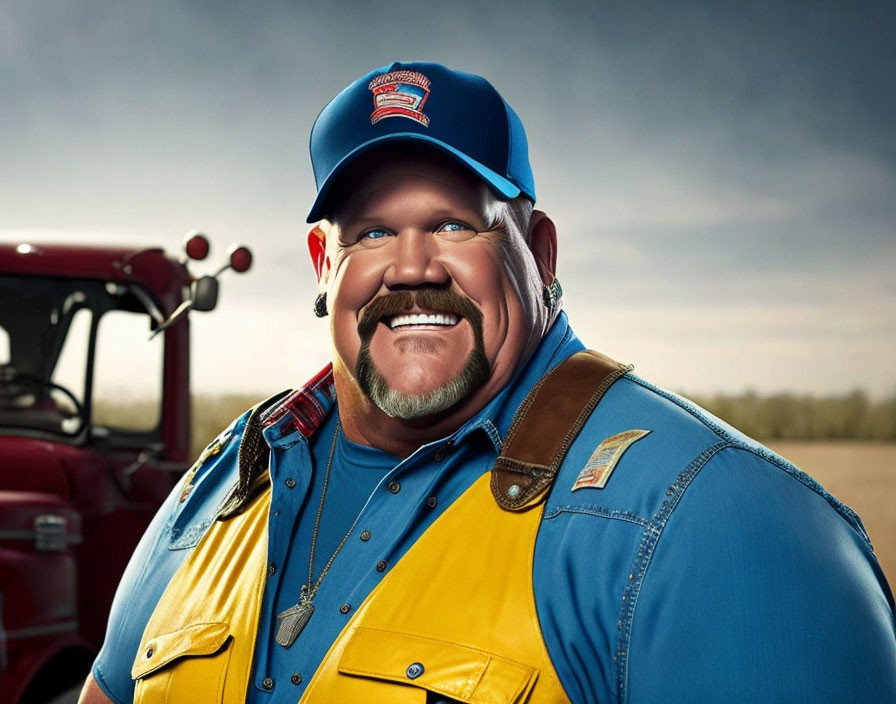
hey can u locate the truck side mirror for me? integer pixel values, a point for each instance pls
(204, 290)
(204, 293)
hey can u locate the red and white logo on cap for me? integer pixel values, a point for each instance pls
(400, 94)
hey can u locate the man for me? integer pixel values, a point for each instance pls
(468, 507)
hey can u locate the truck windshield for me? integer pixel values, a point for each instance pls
(47, 336)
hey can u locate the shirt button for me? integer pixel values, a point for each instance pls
(290, 483)
(415, 669)
(365, 535)
(432, 501)
(296, 678)
(345, 608)
(272, 568)
(394, 487)
(443, 451)
(267, 684)
(381, 566)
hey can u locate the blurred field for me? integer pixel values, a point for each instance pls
(863, 476)
(788, 416)
(211, 414)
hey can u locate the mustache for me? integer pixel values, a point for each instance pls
(429, 299)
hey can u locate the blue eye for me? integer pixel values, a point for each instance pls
(453, 227)
(374, 234)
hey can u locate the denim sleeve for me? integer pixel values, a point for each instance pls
(761, 587)
(175, 530)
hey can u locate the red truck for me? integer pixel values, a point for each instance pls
(83, 464)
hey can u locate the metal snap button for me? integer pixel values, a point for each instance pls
(345, 608)
(415, 669)
(296, 678)
(394, 487)
(290, 483)
(432, 502)
(272, 568)
(267, 684)
(365, 535)
(513, 490)
(381, 566)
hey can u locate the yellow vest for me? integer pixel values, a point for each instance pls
(455, 616)
(462, 609)
(197, 646)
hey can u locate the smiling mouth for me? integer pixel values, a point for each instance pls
(426, 310)
(408, 320)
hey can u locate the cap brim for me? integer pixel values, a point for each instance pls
(504, 187)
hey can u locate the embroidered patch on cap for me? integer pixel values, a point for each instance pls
(603, 460)
(400, 94)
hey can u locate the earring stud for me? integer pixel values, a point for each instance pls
(551, 294)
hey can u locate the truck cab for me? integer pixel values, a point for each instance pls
(94, 434)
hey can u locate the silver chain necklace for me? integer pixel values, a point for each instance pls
(295, 618)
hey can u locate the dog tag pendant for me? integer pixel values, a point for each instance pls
(292, 621)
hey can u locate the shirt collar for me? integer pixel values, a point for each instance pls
(305, 409)
(495, 418)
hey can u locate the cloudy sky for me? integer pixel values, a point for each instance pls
(723, 180)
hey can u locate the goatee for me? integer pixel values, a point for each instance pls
(411, 406)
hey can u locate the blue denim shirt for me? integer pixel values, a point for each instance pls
(707, 568)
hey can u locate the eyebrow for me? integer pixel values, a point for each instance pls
(461, 213)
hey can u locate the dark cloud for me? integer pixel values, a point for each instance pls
(737, 145)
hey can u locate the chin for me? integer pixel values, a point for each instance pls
(414, 406)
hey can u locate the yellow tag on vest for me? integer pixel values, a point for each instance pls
(603, 460)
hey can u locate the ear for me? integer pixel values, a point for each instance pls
(317, 249)
(543, 243)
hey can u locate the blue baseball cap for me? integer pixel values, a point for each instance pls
(458, 113)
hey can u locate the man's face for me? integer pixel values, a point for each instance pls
(430, 309)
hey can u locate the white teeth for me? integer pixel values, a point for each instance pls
(422, 319)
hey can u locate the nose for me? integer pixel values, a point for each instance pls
(415, 261)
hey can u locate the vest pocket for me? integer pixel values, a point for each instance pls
(458, 672)
(186, 666)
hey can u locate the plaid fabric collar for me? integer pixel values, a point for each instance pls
(303, 410)
(306, 408)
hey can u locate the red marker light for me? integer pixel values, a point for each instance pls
(196, 246)
(240, 258)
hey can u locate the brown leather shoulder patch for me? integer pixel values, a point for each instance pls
(545, 425)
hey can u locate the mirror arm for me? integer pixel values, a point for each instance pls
(148, 303)
(181, 310)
